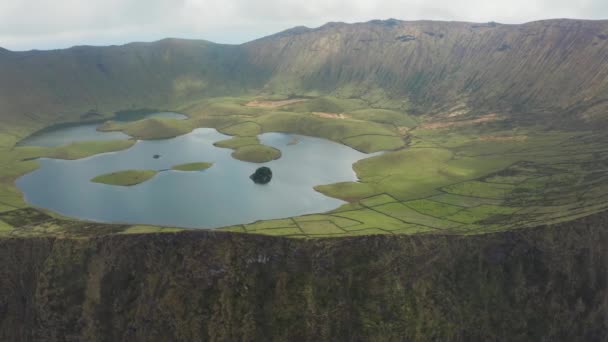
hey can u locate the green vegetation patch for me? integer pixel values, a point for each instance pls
(367, 231)
(332, 129)
(270, 224)
(372, 219)
(193, 166)
(480, 189)
(408, 215)
(433, 208)
(5, 227)
(384, 116)
(236, 142)
(377, 200)
(320, 227)
(24, 217)
(465, 201)
(281, 232)
(83, 149)
(151, 128)
(482, 212)
(236, 229)
(408, 174)
(4, 207)
(142, 229)
(374, 142)
(338, 221)
(256, 153)
(125, 178)
(328, 104)
(245, 129)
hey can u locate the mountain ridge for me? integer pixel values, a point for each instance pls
(303, 29)
(551, 70)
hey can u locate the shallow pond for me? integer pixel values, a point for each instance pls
(219, 196)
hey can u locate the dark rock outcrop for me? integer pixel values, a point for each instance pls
(262, 175)
(504, 47)
(405, 38)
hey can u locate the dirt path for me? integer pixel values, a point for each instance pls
(331, 115)
(444, 124)
(273, 104)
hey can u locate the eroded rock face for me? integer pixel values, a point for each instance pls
(262, 175)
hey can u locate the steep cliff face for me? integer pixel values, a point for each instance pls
(547, 283)
(552, 66)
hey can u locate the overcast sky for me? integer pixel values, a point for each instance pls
(49, 24)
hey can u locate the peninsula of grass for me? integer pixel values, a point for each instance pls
(193, 166)
(150, 129)
(256, 153)
(125, 178)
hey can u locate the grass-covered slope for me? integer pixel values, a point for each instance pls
(42, 87)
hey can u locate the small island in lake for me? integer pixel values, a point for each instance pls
(125, 178)
(262, 175)
(256, 153)
(193, 166)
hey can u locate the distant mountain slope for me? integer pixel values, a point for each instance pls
(547, 66)
(39, 84)
(556, 67)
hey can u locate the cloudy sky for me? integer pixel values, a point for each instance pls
(49, 24)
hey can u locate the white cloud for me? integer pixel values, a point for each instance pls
(60, 23)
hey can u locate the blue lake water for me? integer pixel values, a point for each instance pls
(219, 196)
